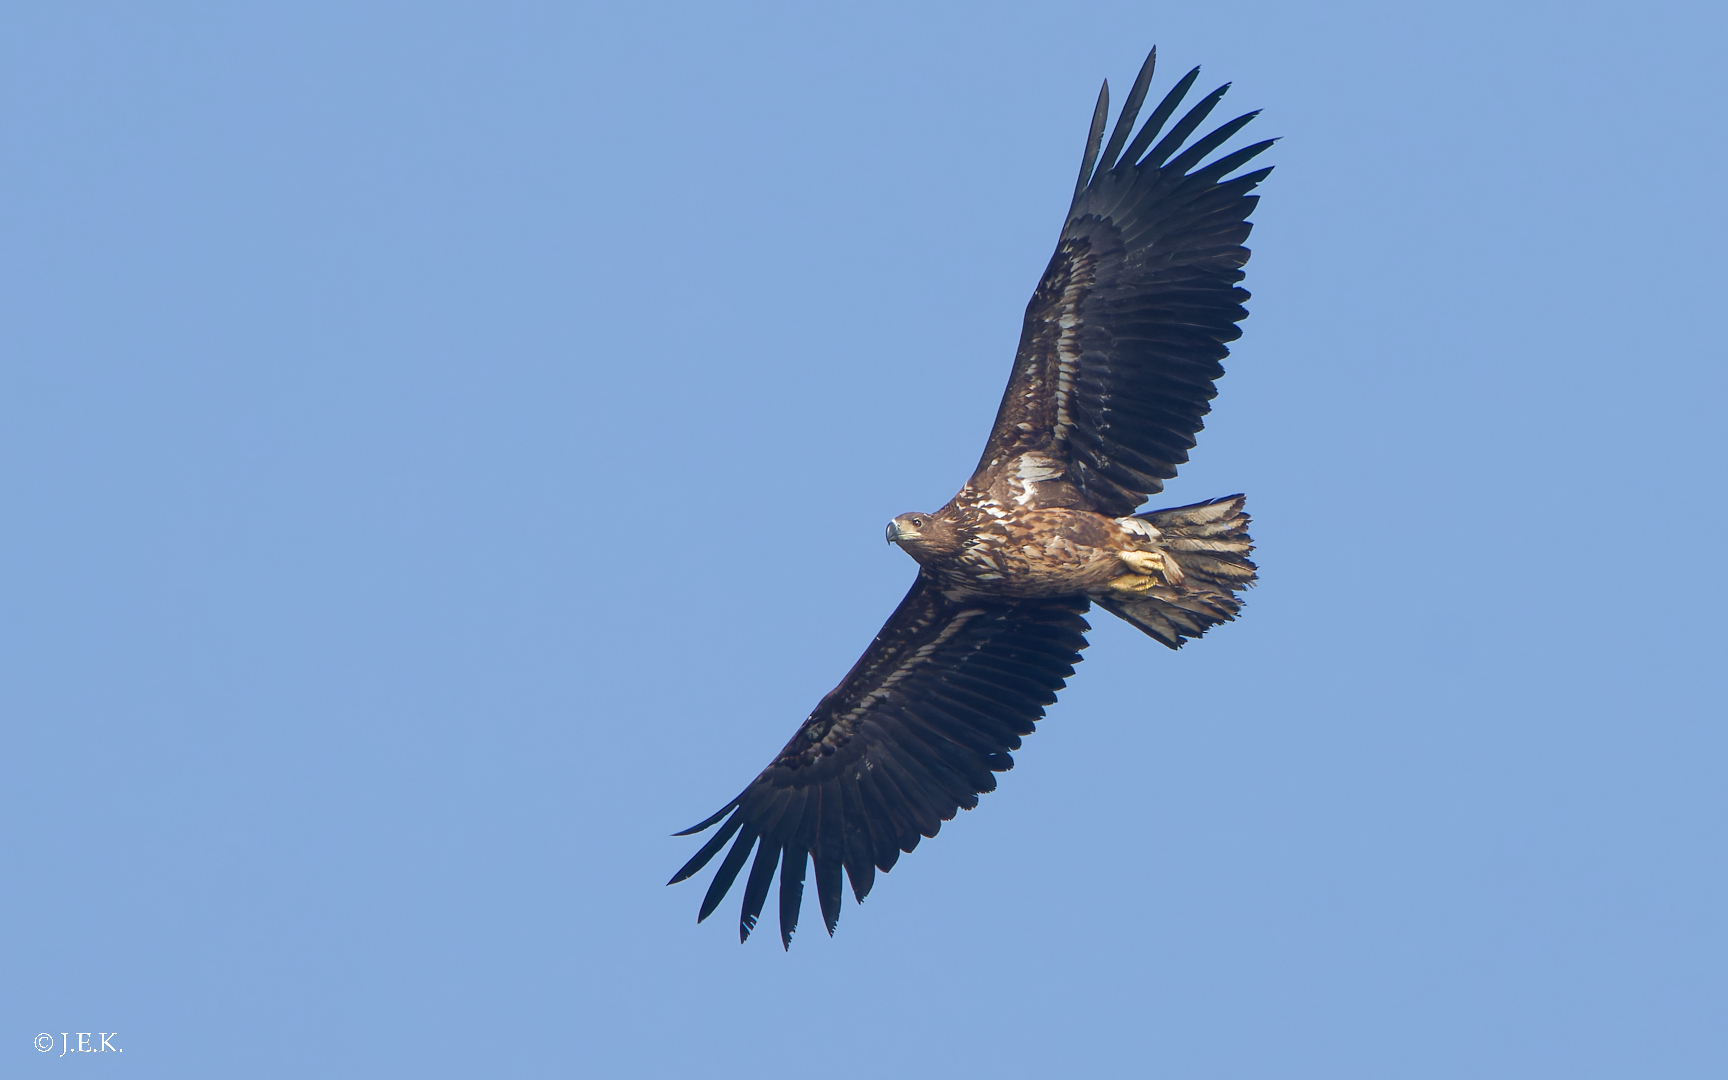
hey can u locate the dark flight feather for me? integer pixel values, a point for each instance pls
(860, 847)
(709, 850)
(756, 888)
(1130, 108)
(707, 822)
(1192, 156)
(1155, 122)
(796, 859)
(830, 853)
(727, 873)
(1183, 128)
(1100, 113)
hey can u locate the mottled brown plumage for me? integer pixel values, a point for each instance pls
(1117, 362)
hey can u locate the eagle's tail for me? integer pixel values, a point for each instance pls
(1209, 544)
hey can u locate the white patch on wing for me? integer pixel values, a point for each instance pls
(1032, 470)
(1068, 342)
(1143, 529)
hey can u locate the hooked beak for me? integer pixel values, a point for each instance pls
(893, 532)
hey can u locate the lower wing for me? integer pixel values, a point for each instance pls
(915, 732)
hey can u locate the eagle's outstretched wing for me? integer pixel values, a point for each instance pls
(912, 734)
(1123, 337)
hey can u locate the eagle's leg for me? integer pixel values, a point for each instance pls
(1149, 567)
(1132, 584)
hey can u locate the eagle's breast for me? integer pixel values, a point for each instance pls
(1010, 549)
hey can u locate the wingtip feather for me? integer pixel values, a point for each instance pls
(1094, 137)
(708, 850)
(1183, 128)
(709, 822)
(1130, 109)
(728, 873)
(1155, 122)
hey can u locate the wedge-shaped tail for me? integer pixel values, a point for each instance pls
(1209, 543)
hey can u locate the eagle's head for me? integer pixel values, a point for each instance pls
(923, 534)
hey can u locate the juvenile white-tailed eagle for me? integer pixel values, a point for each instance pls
(1116, 367)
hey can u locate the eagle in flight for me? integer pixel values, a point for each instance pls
(1117, 362)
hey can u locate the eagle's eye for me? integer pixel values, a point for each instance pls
(917, 523)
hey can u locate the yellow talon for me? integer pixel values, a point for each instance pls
(1132, 584)
(1143, 562)
(1152, 564)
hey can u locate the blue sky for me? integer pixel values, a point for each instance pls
(444, 450)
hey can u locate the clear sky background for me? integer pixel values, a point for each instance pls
(444, 450)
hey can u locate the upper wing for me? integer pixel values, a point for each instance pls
(911, 735)
(1123, 337)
